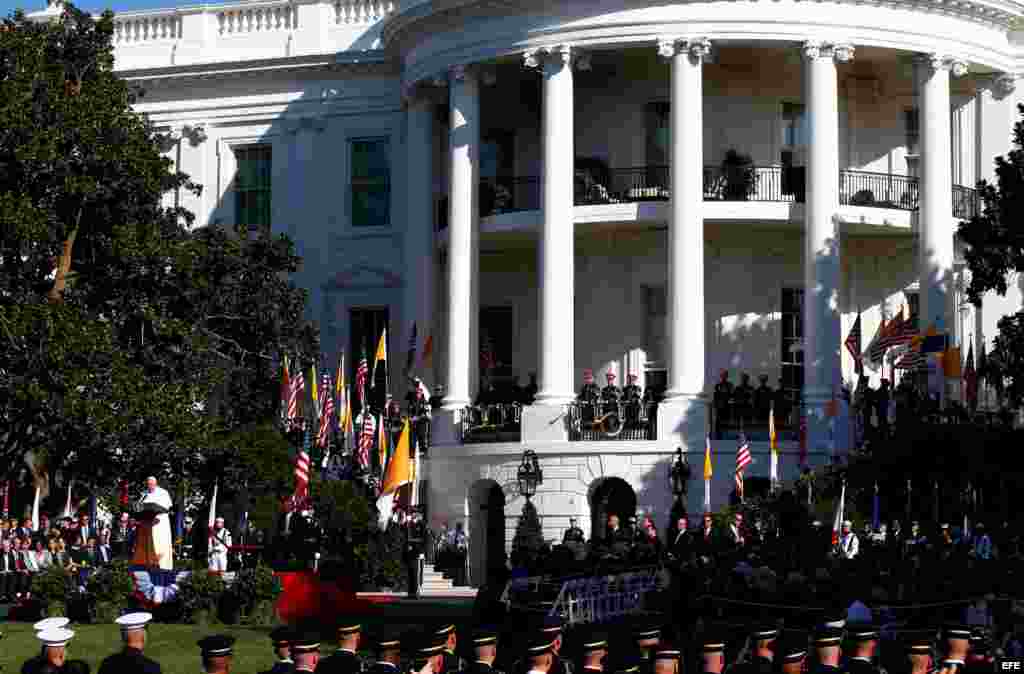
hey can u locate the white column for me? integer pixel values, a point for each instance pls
(684, 413)
(418, 301)
(464, 142)
(822, 364)
(556, 264)
(935, 218)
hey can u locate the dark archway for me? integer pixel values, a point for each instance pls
(487, 530)
(608, 496)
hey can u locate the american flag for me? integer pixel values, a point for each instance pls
(362, 372)
(366, 439)
(743, 459)
(298, 384)
(301, 474)
(327, 413)
(912, 360)
(876, 351)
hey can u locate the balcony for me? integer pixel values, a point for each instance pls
(613, 421)
(491, 423)
(772, 184)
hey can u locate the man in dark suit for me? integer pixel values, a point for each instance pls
(8, 570)
(131, 658)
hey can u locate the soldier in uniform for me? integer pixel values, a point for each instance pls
(485, 650)
(306, 652)
(666, 659)
(722, 401)
(957, 644)
(647, 637)
(611, 394)
(131, 659)
(589, 396)
(763, 396)
(281, 639)
(537, 651)
(217, 652)
(54, 653)
(593, 649)
(573, 534)
(344, 660)
(792, 652)
(551, 626)
(452, 662)
(388, 648)
(827, 644)
(428, 650)
(631, 397)
(414, 539)
(712, 646)
(864, 649)
(918, 646)
(762, 651)
(743, 397)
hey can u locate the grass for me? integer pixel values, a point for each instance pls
(174, 646)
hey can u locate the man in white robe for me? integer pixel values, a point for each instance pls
(163, 542)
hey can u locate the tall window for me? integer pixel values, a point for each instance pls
(655, 326)
(657, 133)
(792, 338)
(791, 155)
(497, 335)
(252, 187)
(371, 182)
(794, 127)
(912, 124)
(497, 155)
(367, 324)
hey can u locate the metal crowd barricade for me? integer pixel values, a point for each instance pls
(598, 599)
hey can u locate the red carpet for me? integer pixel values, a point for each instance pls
(305, 597)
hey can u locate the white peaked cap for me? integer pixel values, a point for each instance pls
(51, 624)
(134, 621)
(57, 636)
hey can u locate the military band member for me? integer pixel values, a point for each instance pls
(551, 626)
(388, 648)
(611, 394)
(573, 534)
(593, 649)
(485, 650)
(538, 654)
(827, 645)
(131, 659)
(722, 400)
(217, 652)
(763, 641)
(590, 393)
(344, 660)
(281, 639)
(864, 649)
(306, 652)
(631, 392)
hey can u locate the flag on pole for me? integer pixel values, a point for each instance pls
(982, 363)
(341, 393)
(707, 474)
(327, 416)
(427, 358)
(213, 513)
(876, 349)
(298, 384)
(411, 357)
(381, 355)
(743, 459)
(315, 396)
(301, 473)
(366, 438)
(345, 423)
(773, 443)
(970, 379)
(875, 511)
(382, 443)
(837, 523)
(362, 371)
(286, 388)
(67, 504)
(853, 345)
(399, 473)
(35, 511)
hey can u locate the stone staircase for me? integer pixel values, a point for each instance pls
(436, 585)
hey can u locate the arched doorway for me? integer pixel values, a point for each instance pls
(610, 495)
(486, 530)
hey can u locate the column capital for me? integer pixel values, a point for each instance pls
(557, 56)
(839, 52)
(936, 62)
(698, 48)
(194, 133)
(1004, 84)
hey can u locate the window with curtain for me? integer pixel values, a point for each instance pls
(371, 182)
(792, 360)
(252, 186)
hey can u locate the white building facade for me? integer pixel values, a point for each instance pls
(550, 182)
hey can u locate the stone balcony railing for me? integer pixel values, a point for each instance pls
(250, 30)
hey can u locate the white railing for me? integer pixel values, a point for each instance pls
(243, 21)
(147, 29)
(361, 12)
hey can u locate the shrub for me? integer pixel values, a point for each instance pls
(53, 585)
(111, 584)
(255, 585)
(201, 591)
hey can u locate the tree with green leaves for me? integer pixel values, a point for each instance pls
(994, 254)
(130, 342)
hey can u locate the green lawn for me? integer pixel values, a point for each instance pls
(174, 646)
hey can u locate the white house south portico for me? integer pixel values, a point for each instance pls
(666, 191)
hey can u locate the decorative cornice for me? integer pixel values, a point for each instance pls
(195, 134)
(957, 67)
(556, 56)
(839, 52)
(698, 48)
(427, 91)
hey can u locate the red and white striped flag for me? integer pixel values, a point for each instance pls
(743, 459)
(366, 438)
(301, 475)
(298, 385)
(362, 372)
(327, 413)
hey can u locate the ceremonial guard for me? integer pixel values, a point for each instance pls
(763, 396)
(593, 649)
(551, 625)
(918, 646)
(722, 400)
(452, 662)
(344, 660)
(131, 658)
(485, 650)
(538, 651)
(306, 652)
(418, 400)
(631, 397)
(590, 393)
(415, 539)
(916, 541)
(848, 546)
(864, 639)
(666, 658)
(54, 653)
(217, 652)
(647, 637)
(281, 639)
(388, 648)
(792, 652)
(611, 394)
(762, 640)
(430, 647)
(743, 400)
(827, 645)
(220, 542)
(573, 534)
(957, 638)
(712, 651)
